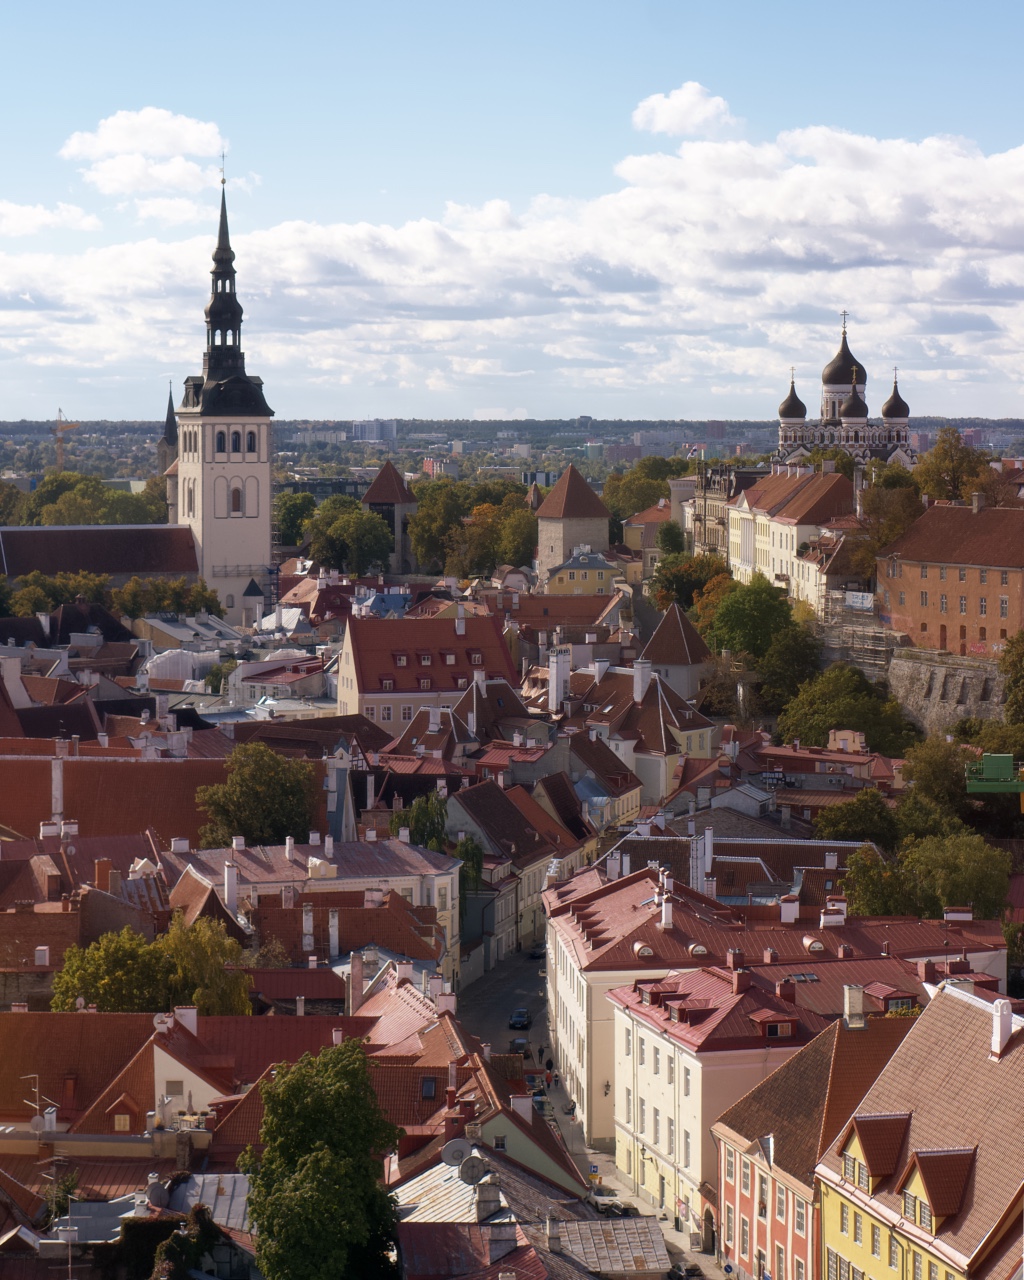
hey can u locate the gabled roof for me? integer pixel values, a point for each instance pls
(881, 1140)
(388, 487)
(144, 549)
(944, 1174)
(425, 644)
(676, 641)
(993, 536)
(504, 824)
(572, 499)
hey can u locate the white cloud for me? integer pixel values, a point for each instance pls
(153, 131)
(688, 290)
(27, 219)
(689, 110)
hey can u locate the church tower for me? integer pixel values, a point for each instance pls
(167, 445)
(224, 454)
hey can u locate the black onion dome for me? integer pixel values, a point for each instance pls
(853, 406)
(841, 368)
(792, 406)
(895, 406)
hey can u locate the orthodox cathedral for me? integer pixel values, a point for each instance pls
(844, 417)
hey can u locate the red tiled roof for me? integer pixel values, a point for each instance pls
(144, 550)
(676, 641)
(377, 642)
(572, 499)
(658, 514)
(994, 536)
(388, 487)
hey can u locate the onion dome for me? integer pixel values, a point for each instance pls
(841, 368)
(853, 406)
(895, 406)
(792, 406)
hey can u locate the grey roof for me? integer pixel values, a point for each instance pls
(226, 1195)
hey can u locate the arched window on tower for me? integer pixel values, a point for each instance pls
(222, 442)
(236, 442)
(236, 502)
(250, 442)
(216, 337)
(229, 338)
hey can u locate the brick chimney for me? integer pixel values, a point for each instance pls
(785, 989)
(740, 981)
(734, 958)
(926, 970)
(101, 874)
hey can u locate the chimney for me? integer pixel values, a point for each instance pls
(1002, 1026)
(977, 502)
(666, 913)
(337, 1036)
(403, 834)
(734, 958)
(460, 619)
(231, 888)
(625, 864)
(789, 908)
(853, 1007)
(69, 827)
(289, 848)
(486, 1198)
(188, 1016)
(371, 835)
(19, 1008)
(926, 970)
(179, 844)
(101, 874)
(954, 915)
(329, 846)
(613, 865)
(641, 678)
(311, 961)
(709, 850)
(770, 956)
(373, 897)
(711, 887)
(554, 1239)
(300, 1006)
(57, 785)
(844, 951)
(522, 1105)
(115, 882)
(446, 1002)
(238, 843)
(831, 860)
(333, 933)
(42, 957)
(355, 982)
(435, 985)
(486, 1049)
(740, 981)
(307, 923)
(501, 1240)
(786, 990)
(314, 838)
(403, 968)
(559, 672)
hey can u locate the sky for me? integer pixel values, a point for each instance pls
(641, 209)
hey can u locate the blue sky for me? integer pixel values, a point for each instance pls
(632, 209)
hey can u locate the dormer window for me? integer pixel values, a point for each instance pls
(862, 1177)
(425, 659)
(387, 684)
(645, 997)
(778, 1030)
(926, 1216)
(449, 659)
(910, 1206)
(461, 682)
(849, 1167)
(425, 683)
(401, 660)
(476, 658)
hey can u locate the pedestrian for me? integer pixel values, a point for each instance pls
(549, 1064)
(556, 1079)
(547, 1078)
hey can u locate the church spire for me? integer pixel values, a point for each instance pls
(170, 422)
(224, 358)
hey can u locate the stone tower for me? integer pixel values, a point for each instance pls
(225, 450)
(572, 515)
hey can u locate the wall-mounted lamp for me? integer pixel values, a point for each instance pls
(607, 1088)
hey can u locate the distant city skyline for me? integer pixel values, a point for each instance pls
(646, 210)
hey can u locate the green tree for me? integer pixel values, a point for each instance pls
(749, 617)
(625, 495)
(29, 601)
(707, 600)
(833, 453)
(271, 954)
(6, 595)
(678, 577)
(958, 871)
(178, 1257)
(866, 817)
(670, 539)
(324, 1137)
(517, 538)
(874, 885)
(355, 542)
(292, 511)
(1011, 664)
(937, 769)
(141, 596)
(888, 512)
(842, 698)
(442, 504)
(425, 818)
(470, 852)
(118, 973)
(265, 798)
(951, 469)
(792, 657)
(218, 673)
(204, 967)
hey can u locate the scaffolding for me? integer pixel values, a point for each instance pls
(855, 634)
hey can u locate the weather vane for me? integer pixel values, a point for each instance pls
(223, 180)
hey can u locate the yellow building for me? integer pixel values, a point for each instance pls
(591, 573)
(925, 1180)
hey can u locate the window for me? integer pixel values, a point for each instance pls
(780, 1263)
(729, 1221)
(572, 575)
(629, 1105)
(236, 442)
(385, 713)
(894, 1253)
(745, 1176)
(122, 1123)
(961, 575)
(461, 682)
(926, 1222)
(370, 712)
(174, 1088)
(686, 1148)
(798, 1269)
(730, 1165)
(642, 1125)
(428, 1087)
(924, 599)
(862, 1176)
(600, 575)
(425, 683)
(942, 604)
(918, 1267)
(858, 1229)
(670, 1068)
(407, 711)
(903, 597)
(744, 1238)
(982, 605)
(1004, 577)
(671, 1136)
(642, 1050)
(250, 442)
(220, 444)
(629, 1042)
(236, 502)
(425, 659)
(778, 1030)
(387, 684)
(401, 660)
(983, 576)
(686, 1082)
(800, 1216)
(963, 604)
(449, 659)
(442, 899)
(780, 1203)
(942, 573)
(499, 1142)
(876, 1241)
(844, 1219)
(656, 1126)
(762, 1196)
(657, 1061)
(833, 1266)
(476, 659)
(1004, 606)
(924, 571)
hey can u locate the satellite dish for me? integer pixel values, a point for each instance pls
(455, 1152)
(80, 1003)
(472, 1169)
(37, 1124)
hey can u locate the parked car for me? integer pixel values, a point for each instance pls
(520, 1020)
(605, 1199)
(538, 953)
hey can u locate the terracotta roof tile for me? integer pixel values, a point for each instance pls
(676, 641)
(125, 549)
(377, 643)
(572, 499)
(388, 487)
(956, 535)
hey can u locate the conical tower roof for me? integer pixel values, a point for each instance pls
(572, 499)
(170, 422)
(676, 641)
(389, 487)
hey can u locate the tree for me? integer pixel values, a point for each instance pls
(292, 512)
(441, 505)
(678, 577)
(937, 769)
(625, 495)
(204, 967)
(218, 673)
(118, 973)
(670, 538)
(749, 617)
(708, 599)
(833, 453)
(324, 1137)
(141, 596)
(6, 595)
(842, 698)
(866, 817)
(792, 657)
(356, 542)
(265, 798)
(951, 469)
(1011, 664)
(887, 514)
(426, 818)
(269, 955)
(873, 885)
(178, 1257)
(517, 538)
(958, 871)
(470, 852)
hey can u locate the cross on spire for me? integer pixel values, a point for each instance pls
(844, 314)
(895, 374)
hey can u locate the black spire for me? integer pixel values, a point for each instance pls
(224, 358)
(170, 422)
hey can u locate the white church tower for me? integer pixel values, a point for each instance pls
(224, 456)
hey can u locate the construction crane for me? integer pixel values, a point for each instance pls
(996, 774)
(58, 434)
